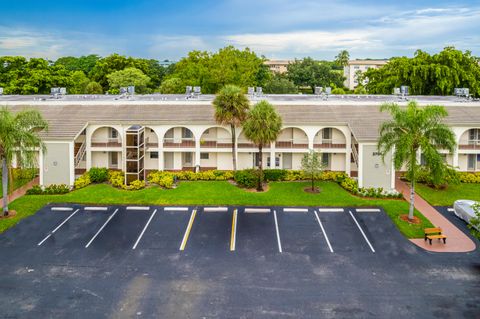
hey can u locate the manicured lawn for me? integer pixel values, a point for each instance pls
(16, 184)
(446, 197)
(218, 193)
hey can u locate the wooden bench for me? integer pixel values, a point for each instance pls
(434, 233)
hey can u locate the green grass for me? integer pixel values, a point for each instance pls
(446, 197)
(218, 193)
(17, 183)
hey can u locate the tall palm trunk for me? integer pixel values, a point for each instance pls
(234, 148)
(412, 185)
(5, 186)
(260, 168)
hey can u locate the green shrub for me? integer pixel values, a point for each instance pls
(162, 179)
(467, 177)
(246, 178)
(275, 174)
(116, 178)
(35, 190)
(82, 181)
(338, 91)
(448, 176)
(24, 173)
(98, 174)
(135, 185)
(53, 189)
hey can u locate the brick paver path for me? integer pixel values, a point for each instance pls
(19, 192)
(457, 241)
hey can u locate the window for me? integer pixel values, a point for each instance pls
(471, 162)
(113, 133)
(204, 156)
(187, 158)
(186, 133)
(356, 67)
(327, 133)
(153, 155)
(326, 159)
(474, 134)
(113, 158)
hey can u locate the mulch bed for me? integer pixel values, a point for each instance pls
(415, 221)
(11, 214)
(309, 189)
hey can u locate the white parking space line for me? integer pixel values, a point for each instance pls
(257, 210)
(176, 209)
(187, 231)
(368, 210)
(58, 227)
(361, 230)
(62, 209)
(215, 209)
(144, 229)
(324, 232)
(138, 208)
(233, 238)
(330, 210)
(278, 233)
(295, 210)
(96, 208)
(450, 209)
(101, 228)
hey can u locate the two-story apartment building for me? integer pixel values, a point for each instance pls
(168, 132)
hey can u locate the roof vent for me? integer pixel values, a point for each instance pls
(462, 92)
(58, 92)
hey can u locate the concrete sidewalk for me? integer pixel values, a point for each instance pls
(19, 192)
(457, 241)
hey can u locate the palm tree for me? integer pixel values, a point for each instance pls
(262, 127)
(19, 135)
(342, 58)
(412, 129)
(231, 108)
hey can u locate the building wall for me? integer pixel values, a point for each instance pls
(375, 172)
(57, 165)
(150, 163)
(99, 159)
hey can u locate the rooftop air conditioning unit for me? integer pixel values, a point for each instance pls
(259, 90)
(251, 90)
(1, 91)
(404, 90)
(188, 90)
(396, 91)
(131, 89)
(123, 90)
(462, 92)
(318, 90)
(197, 90)
(62, 91)
(328, 90)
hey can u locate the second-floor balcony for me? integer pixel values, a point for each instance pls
(216, 143)
(178, 142)
(292, 143)
(106, 142)
(470, 145)
(329, 143)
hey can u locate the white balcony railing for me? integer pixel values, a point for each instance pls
(106, 142)
(216, 143)
(178, 142)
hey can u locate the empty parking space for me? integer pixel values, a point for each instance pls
(211, 230)
(344, 231)
(300, 232)
(120, 230)
(256, 231)
(166, 229)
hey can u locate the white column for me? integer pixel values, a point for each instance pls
(197, 153)
(360, 165)
(40, 166)
(272, 155)
(348, 154)
(455, 157)
(71, 151)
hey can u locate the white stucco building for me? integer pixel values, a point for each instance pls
(354, 66)
(168, 132)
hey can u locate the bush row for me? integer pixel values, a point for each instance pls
(101, 175)
(466, 177)
(351, 185)
(53, 189)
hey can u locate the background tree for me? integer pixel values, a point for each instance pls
(308, 72)
(312, 166)
(342, 58)
(262, 127)
(19, 136)
(79, 82)
(127, 77)
(93, 88)
(231, 108)
(410, 130)
(279, 84)
(83, 63)
(172, 86)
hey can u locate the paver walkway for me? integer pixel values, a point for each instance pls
(457, 241)
(19, 192)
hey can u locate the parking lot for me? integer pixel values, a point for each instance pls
(226, 262)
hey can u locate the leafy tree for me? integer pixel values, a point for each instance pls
(475, 221)
(426, 74)
(19, 136)
(338, 91)
(312, 166)
(262, 127)
(172, 86)
(93, 88)
(412, 129)
(79, 82)
(308, 72)
(127, 77)
(231, 108)
(342, 58)
(83, 63)
(280, 85)
(107, 65)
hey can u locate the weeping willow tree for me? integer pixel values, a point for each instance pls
(410, 130)
(19, 136)
(426, 74)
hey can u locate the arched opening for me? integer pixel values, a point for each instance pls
(329, 137)
(106, 136)
(292, 137)
(178, 137)
(104, 142)
(216, 137)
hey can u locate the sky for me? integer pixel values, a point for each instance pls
(277, 29)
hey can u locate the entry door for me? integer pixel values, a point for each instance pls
(471, 162)
(287, 160)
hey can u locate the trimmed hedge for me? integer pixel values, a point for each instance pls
(246, 178)
(53, 189)
(467, 177)
(98, 174)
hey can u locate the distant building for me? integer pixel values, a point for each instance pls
(355, 66)
(278, 66)
(166, 63)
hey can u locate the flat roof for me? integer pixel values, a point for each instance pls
(69, 115)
